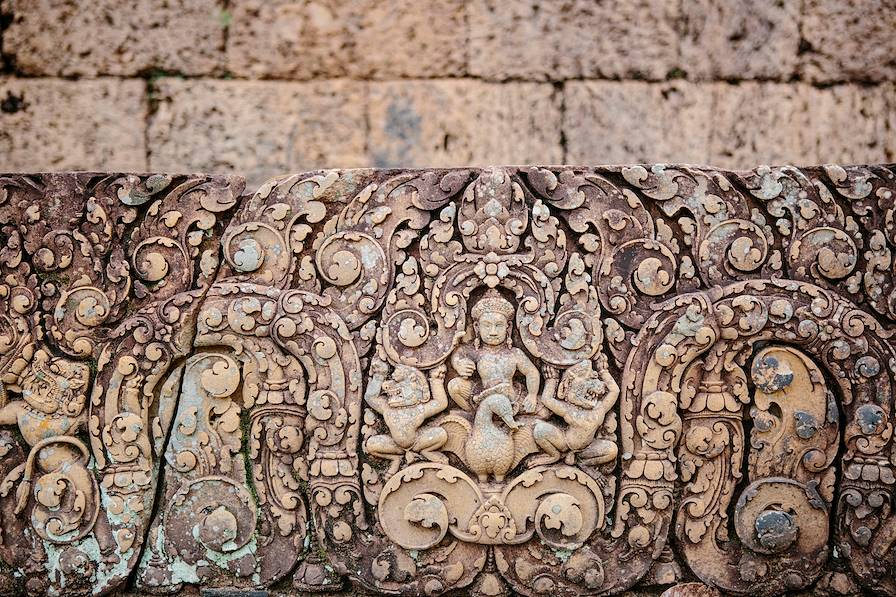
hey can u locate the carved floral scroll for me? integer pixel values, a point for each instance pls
(546, 380)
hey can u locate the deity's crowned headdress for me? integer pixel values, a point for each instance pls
(493, 302)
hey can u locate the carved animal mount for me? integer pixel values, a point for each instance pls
(488, 446)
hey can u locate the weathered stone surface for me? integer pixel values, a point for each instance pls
(619, 122)
(109, 37)
(258, 129)
(762, 119)
(526, 39)
(848, 40)
(727, 124)
(452, 123)
(853, 124)
(97, 269)
(739, 40)
(550, 380)
(367, 39)
(3, 18)
(801, 124)
(817, 82)
(78, 125)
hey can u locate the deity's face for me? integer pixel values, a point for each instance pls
(493, 328)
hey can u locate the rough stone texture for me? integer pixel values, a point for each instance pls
(458, 82)
(299, 39)
(549, 379)
(739, 40)
(848, 40)
(367, 39)
(262, 128)
(637, 122)
(115, 37)
(887, 134)
(852, 124)
(765, 119)
(802, 124)
(258, 128)
(559, 40)
(728, 125)
(3, 19)
(53, 124)
(452, 123)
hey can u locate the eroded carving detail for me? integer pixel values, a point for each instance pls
(545, 380)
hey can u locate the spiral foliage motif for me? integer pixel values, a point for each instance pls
(548, 380)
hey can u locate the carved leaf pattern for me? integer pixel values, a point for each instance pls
(545, 379)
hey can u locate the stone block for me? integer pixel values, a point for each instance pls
(739, 40)
(852, 124)
(848, 40)
(3, 19)
(52, 124)
(527, 39)
(728, 125)
(888, 91)
(452, 123)
(801, 124)
(632, 121)
(365, 39)
(765, 122)
(257, 128)
(110, 37)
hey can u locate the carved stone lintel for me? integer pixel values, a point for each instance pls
(541, 380)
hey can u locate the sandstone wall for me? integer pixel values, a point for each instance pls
(262, 87)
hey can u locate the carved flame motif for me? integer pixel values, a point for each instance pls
(560, 381)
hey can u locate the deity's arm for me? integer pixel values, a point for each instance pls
(549, 393)
(455, 357)
(439, 400)
(612, 395)
(612, 387)
(558, 407)
(527, 368)
(460, 355)
(549, 397)
(373, 395)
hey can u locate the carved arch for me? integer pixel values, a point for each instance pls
(714, 335)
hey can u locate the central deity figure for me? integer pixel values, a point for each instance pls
(489, 447)
(493, 356)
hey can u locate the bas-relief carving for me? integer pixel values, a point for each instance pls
(556, 380)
